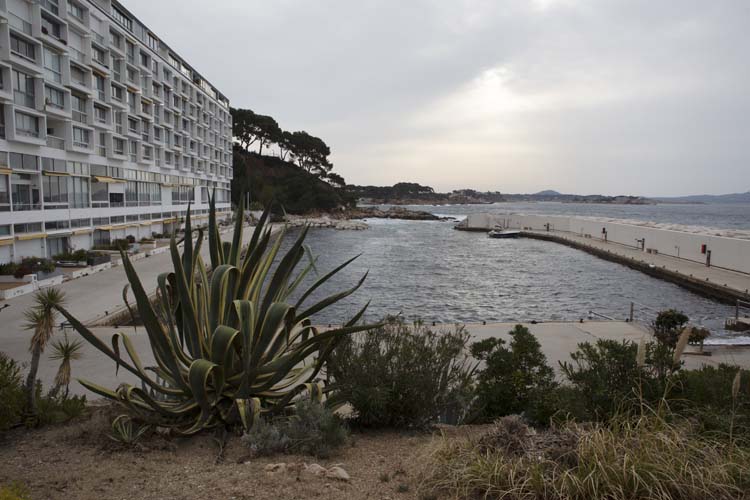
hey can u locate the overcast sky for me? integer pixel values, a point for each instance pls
(645, 97)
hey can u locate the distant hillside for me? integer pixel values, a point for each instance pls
(411, 193)
(709, 198)
(550, 195)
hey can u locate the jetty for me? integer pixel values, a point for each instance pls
(716, 267)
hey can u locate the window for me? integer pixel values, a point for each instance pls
(55, 190)
(19, 161)
(117, 93)
(119, 146)
(81, 137)
(52, 65)
(50, 27)
(99, 83)
(33, 227)
(4, 194)
(56, 225)
(130, 51)
(52, 6)
(21, 47)
(133, 125)
(27, 125)
(23, 91)
(54, 98)
(115, 39)
(77, 75)
(75, 223)
(75, 10)
(133, 150)
(100, 114)
(78, 168)
(78, 192)
(122, 18)
(101, 148)
(78, 103)
(53, 165)
(144, 60)
(153, 42)
(98, 55)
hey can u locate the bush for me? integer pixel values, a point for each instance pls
(403, 376)
(11, 393)
(74, 256)
(668, 326)
(57, 409)
(608, 378)
(630, 458)
(30, 265)
(312, 430)
(515, 379)
(315, 429)
(8, 269)
(15, 491)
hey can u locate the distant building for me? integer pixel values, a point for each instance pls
(104, 130)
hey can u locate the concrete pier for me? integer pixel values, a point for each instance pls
(717, 267)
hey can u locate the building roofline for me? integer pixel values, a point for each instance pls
(120, 6)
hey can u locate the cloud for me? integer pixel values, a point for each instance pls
(609, 96)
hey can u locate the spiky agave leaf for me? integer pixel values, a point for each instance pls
(228, 346)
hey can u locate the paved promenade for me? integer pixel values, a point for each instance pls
(87, 299)
(691, 273)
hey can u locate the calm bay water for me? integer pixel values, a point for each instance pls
(428, 270)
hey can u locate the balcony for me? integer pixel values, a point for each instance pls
(50, 6)
(80, 116)
(26, 207)
(55, 142)
(77, 55)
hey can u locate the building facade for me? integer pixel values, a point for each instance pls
(105, 131)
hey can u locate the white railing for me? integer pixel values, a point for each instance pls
(77, 55)
(19, 23)
(55, 142)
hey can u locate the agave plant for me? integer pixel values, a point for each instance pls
(228, 346)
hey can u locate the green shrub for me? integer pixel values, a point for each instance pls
(14, 491)
(266, 438)
(58, 409)
(515, 378)
(9, 269)
(313, 429)
(668, 326)
(11, 393)
(72, 256)
(31, 265)
(608, 378)
(403, 376)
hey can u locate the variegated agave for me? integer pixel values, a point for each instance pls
(227, 344)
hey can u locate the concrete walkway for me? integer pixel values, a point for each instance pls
(692, 274)
(88, 298)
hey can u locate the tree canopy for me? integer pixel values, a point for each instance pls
(305, 150)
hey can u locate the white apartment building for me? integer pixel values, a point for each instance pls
(104, 130)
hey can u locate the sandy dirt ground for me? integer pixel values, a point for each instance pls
(79, 461)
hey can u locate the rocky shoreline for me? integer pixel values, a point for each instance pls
(351, 220)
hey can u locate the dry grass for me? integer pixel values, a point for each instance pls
(643, 458)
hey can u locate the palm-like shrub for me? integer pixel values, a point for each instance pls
(228, 346)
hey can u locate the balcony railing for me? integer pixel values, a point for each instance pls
(101, 150)
(80, 116)
(77, 55)
(26, 207)
(27, 133)
(55, 142)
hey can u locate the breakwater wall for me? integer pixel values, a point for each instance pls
(723, 252)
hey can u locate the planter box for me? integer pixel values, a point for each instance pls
(95, 260)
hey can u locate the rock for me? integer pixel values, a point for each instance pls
(315, 470)
(275, 468)
(337, 473)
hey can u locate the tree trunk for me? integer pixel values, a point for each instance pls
(260, 149)
(31, 381)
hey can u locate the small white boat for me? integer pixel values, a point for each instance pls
(504, 233)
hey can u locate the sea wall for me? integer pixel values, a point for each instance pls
(727, 253)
